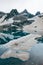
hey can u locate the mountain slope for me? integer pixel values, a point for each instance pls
(35, 27)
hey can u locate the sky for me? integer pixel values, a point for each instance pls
(31, 5)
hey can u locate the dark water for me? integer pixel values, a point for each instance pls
(16, 61)
(11, 61)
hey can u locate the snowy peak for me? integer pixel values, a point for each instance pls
(25, 11)
(27, 14)
(14, 11)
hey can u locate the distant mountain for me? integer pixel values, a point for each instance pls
(12, 13)
(1, 14)
(27, 14)
(38, 13)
